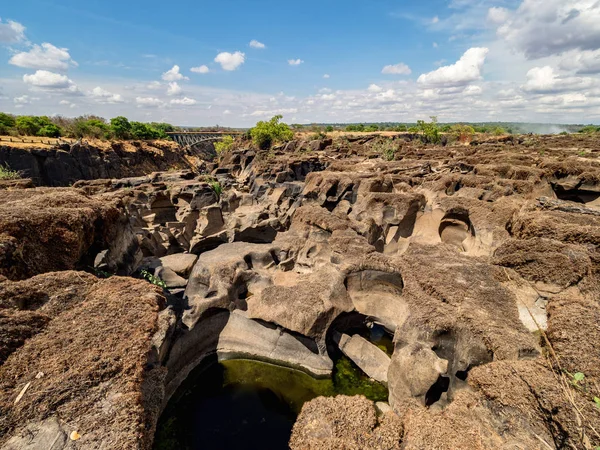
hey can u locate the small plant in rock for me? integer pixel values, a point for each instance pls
(386, 148)
(216, 186)
(152, 279)
(225, 145)
(7, 174)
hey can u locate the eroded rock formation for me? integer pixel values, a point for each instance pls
(481, 261)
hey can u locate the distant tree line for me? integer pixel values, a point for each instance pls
(496, 128)
(89, 126)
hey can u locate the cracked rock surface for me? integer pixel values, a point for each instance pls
(481, 262)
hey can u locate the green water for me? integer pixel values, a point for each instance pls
(241, 404)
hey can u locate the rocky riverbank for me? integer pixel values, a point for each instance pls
(480, 262)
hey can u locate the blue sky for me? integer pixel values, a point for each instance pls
(318, 61)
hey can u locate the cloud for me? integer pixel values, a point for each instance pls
(226, 112)
(435, 45)
(435, 20)
(200, 69)
(230, 61)
(498, 15)
(541, 28)
(473, 90)
(546, 80)
(174, 88)
(295, 62)
(67, 103)
(103, 96)
(396, 69)
(582, 62)
(173, 74)
(154, 85)
(273, 112)
(466, 70)
(46, 56)
(185, 101)
(23, 100)
(150, 102)
(255, 44)
(49, 80)
(11, 32)
(326, 76)
(374, 88)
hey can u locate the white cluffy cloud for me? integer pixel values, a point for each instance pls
(295, 62)
(46, 57)
(546, 80)
(396, 69)
(583, 62)
(149, 102)
(104, 96)
(185, 101)
(326, 76)
(466, 70)
(230, 61)
(541, 28)
(174, 88)
(255, 44)
(11, 32)
(23, 100)
(173, 74)
(200, 69)
(46, 79)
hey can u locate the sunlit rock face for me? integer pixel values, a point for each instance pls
(351, 300)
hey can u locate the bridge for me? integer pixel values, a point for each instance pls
(190, 138)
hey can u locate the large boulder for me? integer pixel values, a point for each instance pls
(44, 230)
(93, 373)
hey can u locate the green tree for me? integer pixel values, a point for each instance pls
(372, 128)
(430, 133)
(329, 129)
(265, 134)
(464, 133)
(50, 130)
(143, 131)
(224, 145)
(7, 122)
(120, 127)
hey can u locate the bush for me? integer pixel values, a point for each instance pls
(6, 123)
(590, 129)
(7, 174)
(92, 128)
(430, 133)
(144, 131)
(120, 127)
(372, 128)
(31, 125)
(464, 133)
(265, 134)
(356, 127)
(224, 145)
(499, 131)
(329, 129)
(49, 130)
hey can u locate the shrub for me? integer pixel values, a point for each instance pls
(143, 131)
(216, 186)
(120, 127)
(49, 130)
(225, 145)
(372, 128)
(152, 279)
(386, 148)
(464, 133)
(6, 123)
(499, 131)
(356, 127)
(329, 129)
(590, 129)
(31, 125)
(430, 133)
(265, 134)
(7, 174)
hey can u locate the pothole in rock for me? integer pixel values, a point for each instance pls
(586, 197)
(242, 404)
(456, 229)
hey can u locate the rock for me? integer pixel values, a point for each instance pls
(62, 229)
(171, 279)
(412, 372)
(106, 387)
(372, 360)
(180, 263)
(344, 422)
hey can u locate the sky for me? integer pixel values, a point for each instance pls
(234, 62)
